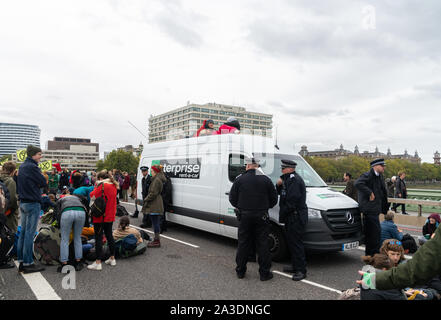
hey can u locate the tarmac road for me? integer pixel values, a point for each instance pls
(190, 264)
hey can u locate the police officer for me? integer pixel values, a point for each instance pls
(294, 214)
(253, 193)
(372, 198)
(145, 183)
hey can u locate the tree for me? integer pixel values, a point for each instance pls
(120, 160)
(6, 157)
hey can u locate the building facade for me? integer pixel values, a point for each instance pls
(14, 136)
(341, 153)
(184, 122)
(129, 148)
(72, 154)
(437, 158)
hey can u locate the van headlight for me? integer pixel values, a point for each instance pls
(314, 213)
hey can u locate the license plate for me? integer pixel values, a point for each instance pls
(350, 246)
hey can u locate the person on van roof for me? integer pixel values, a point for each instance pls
(231, 126)
(206, 129)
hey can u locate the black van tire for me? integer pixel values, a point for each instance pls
(278, 246)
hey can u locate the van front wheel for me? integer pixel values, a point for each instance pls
(277, 243)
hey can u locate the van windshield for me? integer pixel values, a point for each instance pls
(271, 164)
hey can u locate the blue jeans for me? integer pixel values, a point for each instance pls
(30, 214)
(76, 219)
(156, 220)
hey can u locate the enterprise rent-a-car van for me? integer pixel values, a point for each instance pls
(203, 169)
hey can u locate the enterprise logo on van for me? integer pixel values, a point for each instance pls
(182, 168)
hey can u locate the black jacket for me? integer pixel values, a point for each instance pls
(145, 185)
(366, 184)
(253, 192)
(292, 197)
(400, 187)
(350, 190)
(30, 181)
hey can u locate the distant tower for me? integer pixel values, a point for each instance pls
(356, 151)
(389, 154)
(406, 155)
(416, 154)
(377, 152)
(304, 151)
(437, 159)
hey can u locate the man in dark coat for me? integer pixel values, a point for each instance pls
(294, 214)
(350, 190)
(145, 183)
(253, 193)
(372, 198)
(400, 191)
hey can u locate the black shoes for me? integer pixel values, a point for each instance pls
(266, 277)
(404, 213)
(240, 275)
(297, 276)
(32, 268)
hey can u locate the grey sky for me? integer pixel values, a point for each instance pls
(83, 68)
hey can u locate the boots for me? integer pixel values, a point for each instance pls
(156, 243)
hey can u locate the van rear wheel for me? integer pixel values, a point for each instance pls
(277, 243)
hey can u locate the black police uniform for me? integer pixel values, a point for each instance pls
(145, 183)
(294, 214)
(253, 194)
(369, 183)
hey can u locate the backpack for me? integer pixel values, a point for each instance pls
(121, 211)
(166, 193)
(4, 198)
(98, 208)
(7, 238)
(47, 245)
(124, 246)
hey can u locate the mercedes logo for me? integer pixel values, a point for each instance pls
(349, 217)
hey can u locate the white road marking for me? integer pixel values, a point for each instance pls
(39, 286)
(309, 282)
(170, 238)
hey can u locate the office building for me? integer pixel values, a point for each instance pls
(14, 136)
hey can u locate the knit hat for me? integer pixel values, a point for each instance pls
(156, 169)
(32, 150)
(436, 217)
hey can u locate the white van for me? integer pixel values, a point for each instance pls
(203, 169)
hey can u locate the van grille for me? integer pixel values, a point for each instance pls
(337, 220)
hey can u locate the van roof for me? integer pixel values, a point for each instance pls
(245, 142)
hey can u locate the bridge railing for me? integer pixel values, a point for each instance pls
(419, 203)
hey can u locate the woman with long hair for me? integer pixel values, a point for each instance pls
(106, 183)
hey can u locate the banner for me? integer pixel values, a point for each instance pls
(45, 166)
(21, 155)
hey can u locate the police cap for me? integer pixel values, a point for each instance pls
(144, 168)
(288, 164)
(378, 162)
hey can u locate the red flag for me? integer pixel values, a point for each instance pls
(57, 166)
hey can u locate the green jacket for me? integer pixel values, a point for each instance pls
(12, 220)
(153, 202)
(424, 265)
(53, 181)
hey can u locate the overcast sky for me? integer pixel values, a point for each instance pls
(364, 73)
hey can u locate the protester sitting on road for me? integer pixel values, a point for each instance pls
(124, 230)
(72, 215)
(231, 126)
(104, 224)
(394, 250)
(424, 266)
(429, 228)
(382, 262)
(389, 229)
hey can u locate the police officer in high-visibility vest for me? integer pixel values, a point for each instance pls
(294, 214)
(252, 194)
